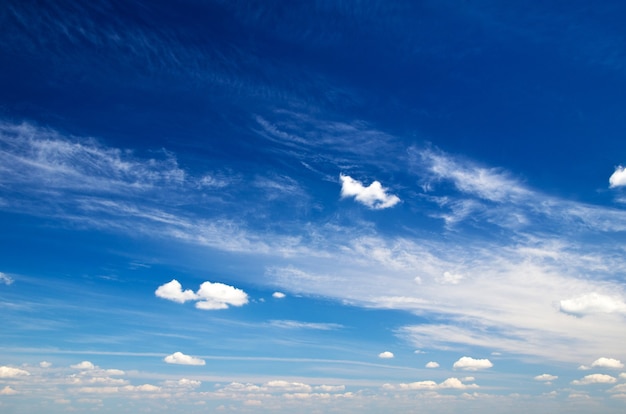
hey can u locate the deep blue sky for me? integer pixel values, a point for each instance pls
(332, 205)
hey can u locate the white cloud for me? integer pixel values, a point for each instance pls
(8, 391)
(618, 178)
(142, 388)
(182, 359)
(386, 355)
(174, 291)
(607, 363)
(219, 296)
(8, 372)
(83, 365)
(210, 296)
(45, 364)
(450, 383)
(432, 364)
(278, 295)
(595, 379)
(374, 196)
(546, 377)
(593, 303)
(5, 279)
(449, 278)
(618, 388)
(471, 364)
(285, 386)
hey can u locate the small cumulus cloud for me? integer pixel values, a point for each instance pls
(618, 178)
(45, 364)
(607, 363)
(374, 196)
(278, 295)
(174, 291)
(546, 377)
(83, 365)
(8, 391)
(5, 279)
(386, 355)
(595, 379)
(592, 303)
(210, 296)
(9, 372)
(182, 359)
(471, 364)
(449, 278)
(432, 364)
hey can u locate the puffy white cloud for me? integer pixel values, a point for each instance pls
(373, 196)
(278, 295)
(449, 278)
(210, 296)
(607, 363)
(174, 291)
(595, 379)
(83, 365)
(219, 296)
(618, 178)
(471, 364)
(8, 391)
(330, 388)
(142, 388)
(45, 364)
(593, 303)
(182, 359)
(386, 355)
(5, 279)
(285, 386)
(432, 364)
(546, 377)
(450, 383)
(8, 372)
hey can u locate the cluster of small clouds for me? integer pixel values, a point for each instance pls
(374, 196)
(210, 296)
(450, 383)
(603, 362)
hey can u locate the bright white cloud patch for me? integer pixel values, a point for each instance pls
(182, 359)
(220, 296)
(618, 178)
(210, 296)
(278, 295)
(595, 379)
(174, 291)
(8, 372)
(593, 303)
(607, 363)
(471, 364)
(386, 355)
(546, 377)
(449, 278)
(83, 365)
(432, 364)
(374, 196)
(450, 383)
(5, 279)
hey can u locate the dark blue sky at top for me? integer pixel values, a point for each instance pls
(517, 85)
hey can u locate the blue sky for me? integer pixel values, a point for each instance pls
(326, 206)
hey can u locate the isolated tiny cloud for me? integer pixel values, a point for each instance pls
(592, 303)
(385, 355)
(182, 359)
(618, 178)
(374, 196)
(595, 379)
(432, 364)
(5, 279)
(45, 364)
(210, 296)
(8, 391)
(471, 364)
(546, 377)
(8, 372)
(278, 295)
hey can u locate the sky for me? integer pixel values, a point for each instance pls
(312, 207)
